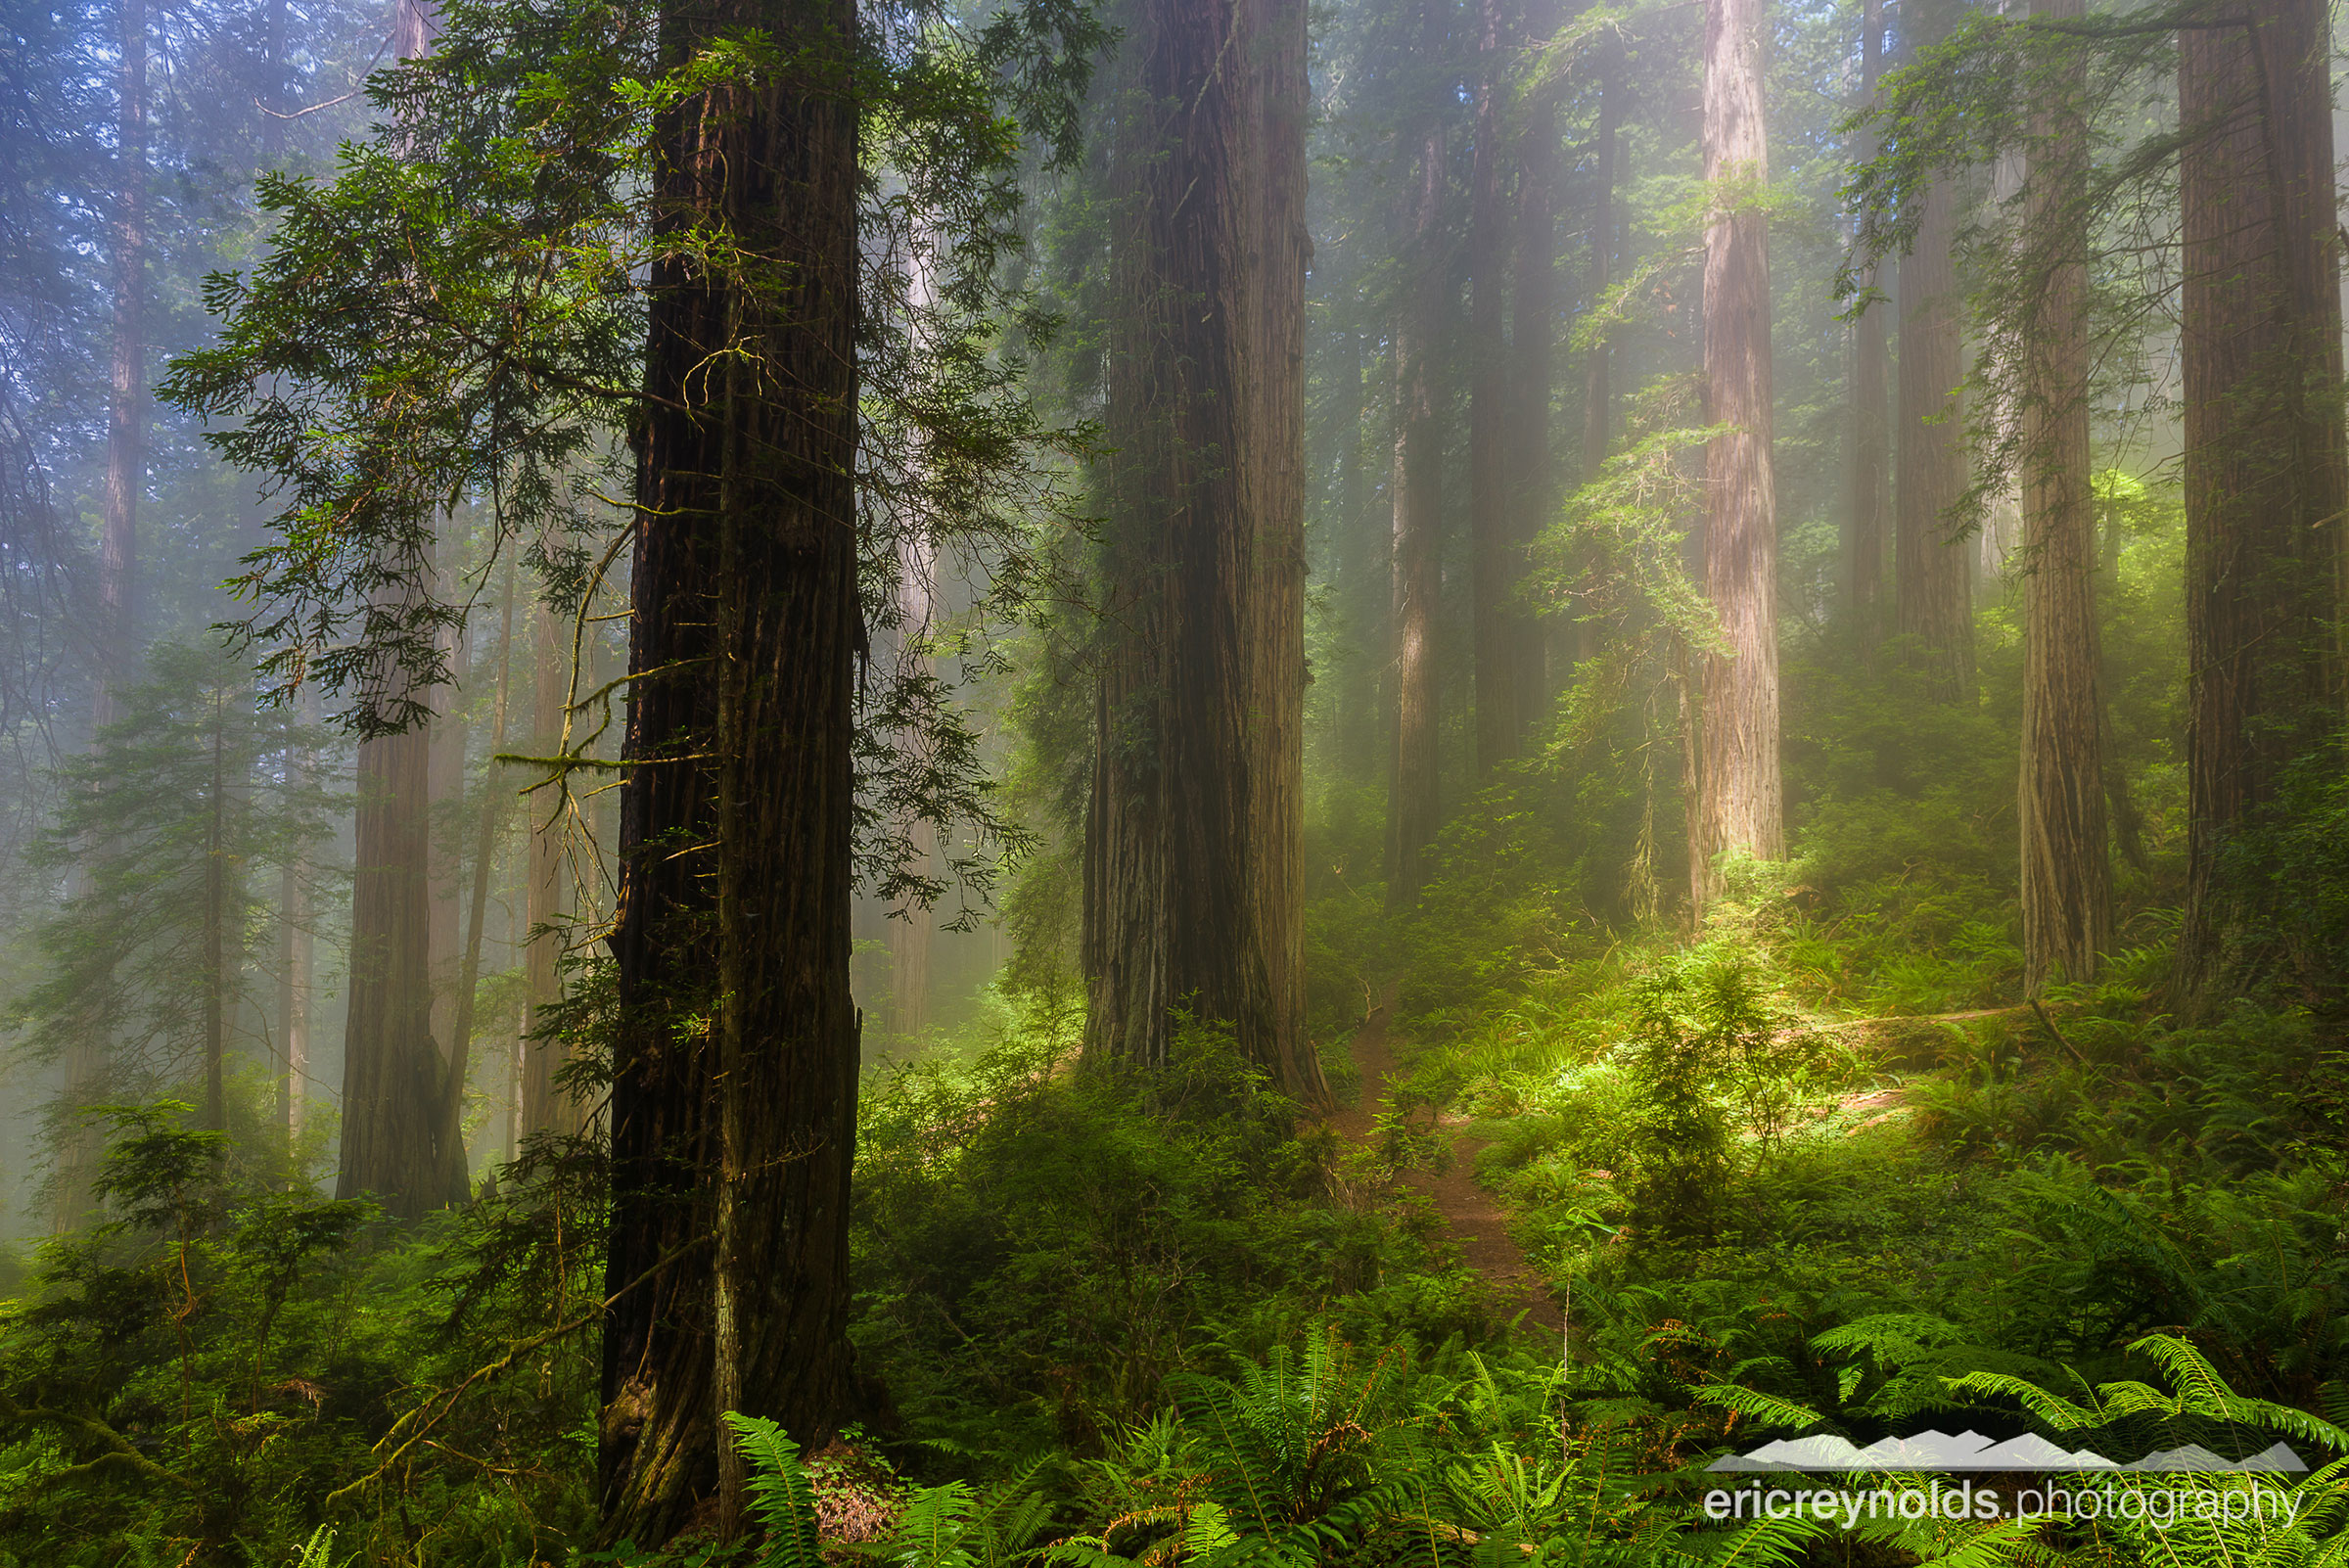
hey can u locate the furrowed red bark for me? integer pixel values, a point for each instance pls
(1739, 726)
(2260, 350)
(734, 1073)
(2066, 864)
(1192, 863)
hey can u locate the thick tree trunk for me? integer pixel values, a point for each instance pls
(2066, 864)
(1192, 863)
(395, 1083)
(1413, 811)
(1495, 626)
(2264, 469)
(734, 1072)
(1869, 504)
(1933, 573)
(545, 1107)
(1281, 247)
(1737, 783)
(1531, 469)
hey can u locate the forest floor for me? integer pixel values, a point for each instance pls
(1478, 1222)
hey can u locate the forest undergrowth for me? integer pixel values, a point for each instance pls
(1809, 1168)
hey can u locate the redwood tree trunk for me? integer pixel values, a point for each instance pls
(2066, 864)
(545, 1106)
(1871, 500)
(734, 1071)
(1596, 399)
(88, 1063)
(1933, 573)
(216, 927)
(1738, 786)
(395, 1084)
(1527, 461)
(1495, 626)
(1418, 493)
(2263, 472)
(1191, 898)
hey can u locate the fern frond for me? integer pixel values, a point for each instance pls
(1755, 1405)
(781, 1494)
(319, 1550)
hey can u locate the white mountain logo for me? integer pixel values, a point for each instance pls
(1971, 1450)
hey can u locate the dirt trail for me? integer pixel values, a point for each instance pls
(1478, 1223)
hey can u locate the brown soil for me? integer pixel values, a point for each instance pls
(1479, 1226)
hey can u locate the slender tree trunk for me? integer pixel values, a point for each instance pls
(912, 923)
(215, 927)
(1933, 573)
(1597, 402)
(88, 1067)
(446, 785)
(1359, 565)
(1412, 811)
(734, 1071)
(2066, 864)
(1192, 861)
(2264, 467)
(296, 948)
(1738, 727)
(484, 866)
(1871, 500)
(545, 1106)
(1495, 626)
(1530, 467)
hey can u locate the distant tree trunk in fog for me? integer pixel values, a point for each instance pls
(1193, 870)
(2067, 863)
(1497, 628)
(1933, 597)
(487, 823)
(87, 1064)
(1597, 412)
(445, 790)
(1529, 467)
(215, 926)
(911, 925)
(2261, 345)
(1358, 565)
(1413, 812)
(1869, 504)
(545, 1106)
(396, 1086)
(294, 959)
(1739, 787)
(735, 1046)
